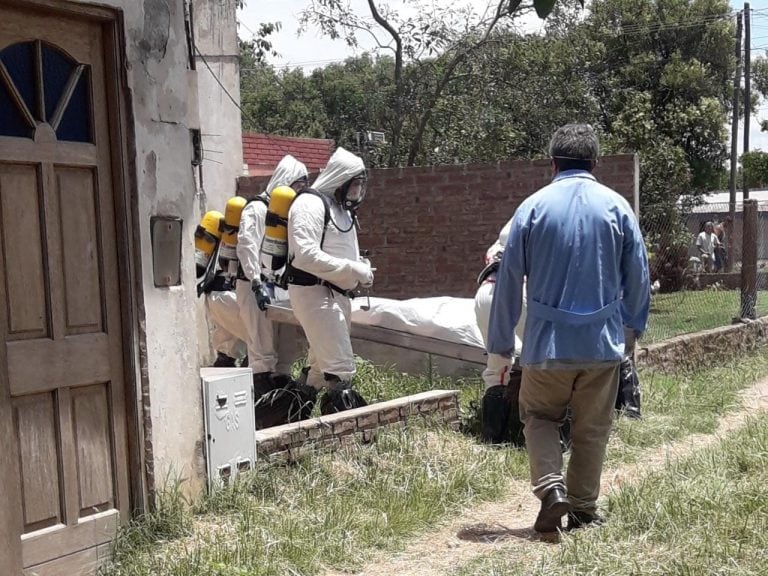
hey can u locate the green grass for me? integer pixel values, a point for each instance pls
(335, 509)
(706, 514)
(329, 509)
(692, 311)
(676, 405)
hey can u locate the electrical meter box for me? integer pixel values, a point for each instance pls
(229, 423)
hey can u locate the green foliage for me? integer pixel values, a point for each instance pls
(755, 167)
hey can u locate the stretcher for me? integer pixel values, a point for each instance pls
(460, 342)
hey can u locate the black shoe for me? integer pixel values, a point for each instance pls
(264, 382)
(291, 403)
(224, 361)
(577, 520)
(496, 412)
(553, 507)
(339, 400)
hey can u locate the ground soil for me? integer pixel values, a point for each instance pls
(507, 523)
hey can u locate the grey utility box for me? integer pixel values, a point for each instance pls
(229, 422)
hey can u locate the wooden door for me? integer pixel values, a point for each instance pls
(60, 319)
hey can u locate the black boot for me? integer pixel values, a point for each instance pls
(496, 411)
(339, 396)
(291, 403)
(263, 382)
(224, 361)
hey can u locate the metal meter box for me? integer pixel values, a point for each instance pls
(229, 422)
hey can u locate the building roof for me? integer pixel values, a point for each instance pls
(262, 152)
(718, 202)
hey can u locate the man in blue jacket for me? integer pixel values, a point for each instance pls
(578, 246)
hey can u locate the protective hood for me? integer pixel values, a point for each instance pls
(286, 173)
(342, 167)
(504, 234)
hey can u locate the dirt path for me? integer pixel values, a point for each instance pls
(507, 523)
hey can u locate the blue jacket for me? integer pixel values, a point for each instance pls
(579, 246)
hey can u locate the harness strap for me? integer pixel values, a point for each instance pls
(299, 277)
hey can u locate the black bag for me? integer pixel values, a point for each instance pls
(628, 396)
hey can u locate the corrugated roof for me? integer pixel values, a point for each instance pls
(266, 150)
(718, 202)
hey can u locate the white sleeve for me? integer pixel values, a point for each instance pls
(249, 238)
(306, 223)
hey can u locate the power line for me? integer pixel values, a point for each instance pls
(231, 98)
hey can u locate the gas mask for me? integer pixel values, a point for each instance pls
(353, 192)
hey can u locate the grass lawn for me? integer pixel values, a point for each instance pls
(692, 311)
(705, 514)
(335, 509)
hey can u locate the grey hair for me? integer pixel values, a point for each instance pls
(574, 142)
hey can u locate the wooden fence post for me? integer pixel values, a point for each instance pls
(749, 261)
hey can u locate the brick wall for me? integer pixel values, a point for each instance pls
(290, 441)
(705, 349)
(428, 228)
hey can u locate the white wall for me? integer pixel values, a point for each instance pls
(157, 71)
(215, 25)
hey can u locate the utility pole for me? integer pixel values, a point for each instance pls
(747, 91)
(734, 140)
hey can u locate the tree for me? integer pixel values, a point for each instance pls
(754, 166)
(662, 81)
(430, 45)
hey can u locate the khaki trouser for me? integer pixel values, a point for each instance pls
(544, 397)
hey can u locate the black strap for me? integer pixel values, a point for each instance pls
(210, 271)
(299, 277)
(492, 268)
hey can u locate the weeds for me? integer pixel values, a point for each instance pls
(705, 514)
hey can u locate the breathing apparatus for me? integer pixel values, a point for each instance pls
(207, 237)
(350, 195)
(274, 248)
(229, 227)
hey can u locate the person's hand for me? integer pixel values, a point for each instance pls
(262, 295)
(363, 273)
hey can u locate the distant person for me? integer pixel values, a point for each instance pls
(579, 246)
(706, 242)
(720, 250)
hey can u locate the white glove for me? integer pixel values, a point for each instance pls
(363, 273)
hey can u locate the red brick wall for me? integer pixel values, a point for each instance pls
(428, 228)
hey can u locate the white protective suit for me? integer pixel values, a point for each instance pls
(497, 368)
(261, 333)
(324, 314)
(228, 334)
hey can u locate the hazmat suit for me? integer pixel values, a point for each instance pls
(324, 267)
(268, 353)
(502, 384)
(228, 332)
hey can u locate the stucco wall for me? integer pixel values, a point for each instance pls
(158, 95)
(215, 28)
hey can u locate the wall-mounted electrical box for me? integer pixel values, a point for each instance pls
(229, 423)
(166, 250)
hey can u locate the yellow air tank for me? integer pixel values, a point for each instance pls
(231, 223)
(229, 227)
(276, 233)
(207, 235)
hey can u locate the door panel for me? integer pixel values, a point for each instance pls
(81, 251)
(91, 416)
(35, 417)
(23, 236)
(62, 358)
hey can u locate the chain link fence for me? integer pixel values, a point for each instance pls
(696, 260)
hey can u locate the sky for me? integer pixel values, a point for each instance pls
(311, 50)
